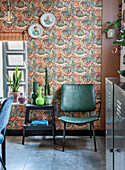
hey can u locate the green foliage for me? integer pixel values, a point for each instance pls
(112, 25)
(15, 82)
(122, 40)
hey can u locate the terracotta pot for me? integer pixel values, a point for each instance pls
(15, 95)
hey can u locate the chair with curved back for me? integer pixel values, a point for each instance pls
(79, 98)
(4, 118)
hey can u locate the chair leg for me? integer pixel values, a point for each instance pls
(2, 163)
(90, 130)
(64, 130)
(94, 137)
(4, 152)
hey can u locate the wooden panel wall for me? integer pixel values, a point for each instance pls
(110, 62)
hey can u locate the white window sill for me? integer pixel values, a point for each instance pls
(18, 104)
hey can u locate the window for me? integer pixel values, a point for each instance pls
(14, 53)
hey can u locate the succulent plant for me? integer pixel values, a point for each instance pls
(15, 81)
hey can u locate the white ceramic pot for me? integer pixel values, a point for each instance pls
(49, 99)
(111, 33)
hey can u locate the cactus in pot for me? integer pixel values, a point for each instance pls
(48, 97)
(47, 87)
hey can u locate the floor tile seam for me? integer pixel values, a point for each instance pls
(26, 160)
(100, 149)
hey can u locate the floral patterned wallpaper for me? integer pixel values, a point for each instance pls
(71, 49)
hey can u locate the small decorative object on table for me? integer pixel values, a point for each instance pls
(34, 94)
(39, 122)
(48, 97)
(15, 84)
(21, 98)
(40, 99)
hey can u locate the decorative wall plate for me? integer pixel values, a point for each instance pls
(35, 30)
(47, 20)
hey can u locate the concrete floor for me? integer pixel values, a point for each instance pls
(39, 153)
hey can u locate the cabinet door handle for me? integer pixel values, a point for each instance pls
(115, 150)
(111, 150)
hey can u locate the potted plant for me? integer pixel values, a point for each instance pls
(48, 97)
(121, 42)
(110, 30)
(15, 82)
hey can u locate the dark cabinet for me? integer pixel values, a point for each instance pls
(115, 124)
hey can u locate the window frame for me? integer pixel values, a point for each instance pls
(7, 68)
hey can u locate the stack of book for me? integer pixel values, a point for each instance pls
(39, 122)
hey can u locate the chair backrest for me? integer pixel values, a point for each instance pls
(78, 97)
(5, 112)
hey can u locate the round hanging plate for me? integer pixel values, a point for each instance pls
(47, 20)
(35, 30)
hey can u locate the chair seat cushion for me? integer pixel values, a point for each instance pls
(78, 120)
(1, 138)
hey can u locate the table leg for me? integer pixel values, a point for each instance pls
(54, 136)
(23, 137)
(27, 116)
(53, 121)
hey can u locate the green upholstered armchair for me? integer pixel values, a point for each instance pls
(79, 98)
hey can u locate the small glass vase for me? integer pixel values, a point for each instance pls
(34, 93)
(21, 98)
(39, 99)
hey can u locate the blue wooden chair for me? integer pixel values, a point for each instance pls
(79, 98)
(4, 118)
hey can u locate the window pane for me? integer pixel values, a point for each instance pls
(15, 45)
(10, 74)
(14, 60)
(21, 89)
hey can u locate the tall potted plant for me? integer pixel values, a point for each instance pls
(15, 82)
(121, 42)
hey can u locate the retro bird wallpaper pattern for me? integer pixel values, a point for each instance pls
(71, 49)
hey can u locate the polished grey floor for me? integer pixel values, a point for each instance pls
(39, 153)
